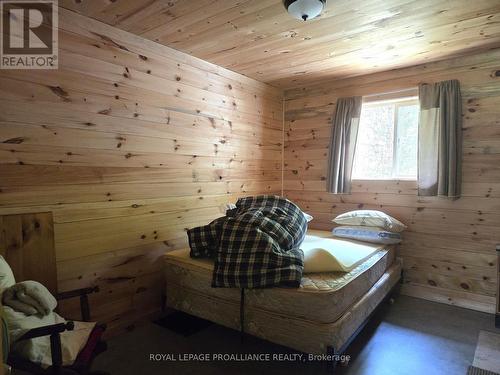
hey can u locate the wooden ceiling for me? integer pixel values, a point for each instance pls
(352, 37)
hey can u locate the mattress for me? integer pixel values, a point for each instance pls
(306, 335)
(321, 297)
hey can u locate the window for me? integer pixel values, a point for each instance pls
(387, 141)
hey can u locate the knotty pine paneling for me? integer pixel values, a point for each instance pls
(128, 144)
(351, 37)
(449, 249)
(28, 247)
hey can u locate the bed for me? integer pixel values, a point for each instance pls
(326, 311)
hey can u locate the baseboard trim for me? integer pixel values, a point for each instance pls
(465, 300)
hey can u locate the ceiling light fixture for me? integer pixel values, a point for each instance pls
(304, 9)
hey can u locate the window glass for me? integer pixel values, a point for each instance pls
(387, 141)
(407, 141)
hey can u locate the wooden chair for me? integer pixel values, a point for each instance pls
(27, 244)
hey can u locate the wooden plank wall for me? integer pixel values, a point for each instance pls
(128, 144)
(449, 248)
(27, 244)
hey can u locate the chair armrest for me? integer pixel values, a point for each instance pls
(76, 293)
(48, 330)
(84, 300)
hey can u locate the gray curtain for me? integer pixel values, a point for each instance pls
(440, 139)
(343, 144)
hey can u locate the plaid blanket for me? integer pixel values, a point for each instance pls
(255, 245)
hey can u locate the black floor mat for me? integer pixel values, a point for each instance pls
(182, 323)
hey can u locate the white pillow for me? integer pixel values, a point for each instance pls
(6, 276)
(223, 208)
(368, 234)
(308, 217)
(370, 218)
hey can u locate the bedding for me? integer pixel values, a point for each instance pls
(370, 218)
(367, 234)
(255, 245)
(326, 254)
(322, 297)
(223, 208)
(308, 217)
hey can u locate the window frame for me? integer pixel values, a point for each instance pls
(398, 102)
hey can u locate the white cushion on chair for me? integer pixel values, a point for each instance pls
(37, 350)
(6, 276)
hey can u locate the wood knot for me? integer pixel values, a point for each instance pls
(57, 90)
(105, 111)
(16, 141)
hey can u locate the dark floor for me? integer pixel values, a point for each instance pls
(411, 336)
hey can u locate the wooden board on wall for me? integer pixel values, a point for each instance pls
(27, 244)
(128, 144)
(449, 248)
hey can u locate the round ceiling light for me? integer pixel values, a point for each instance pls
(305, 9)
